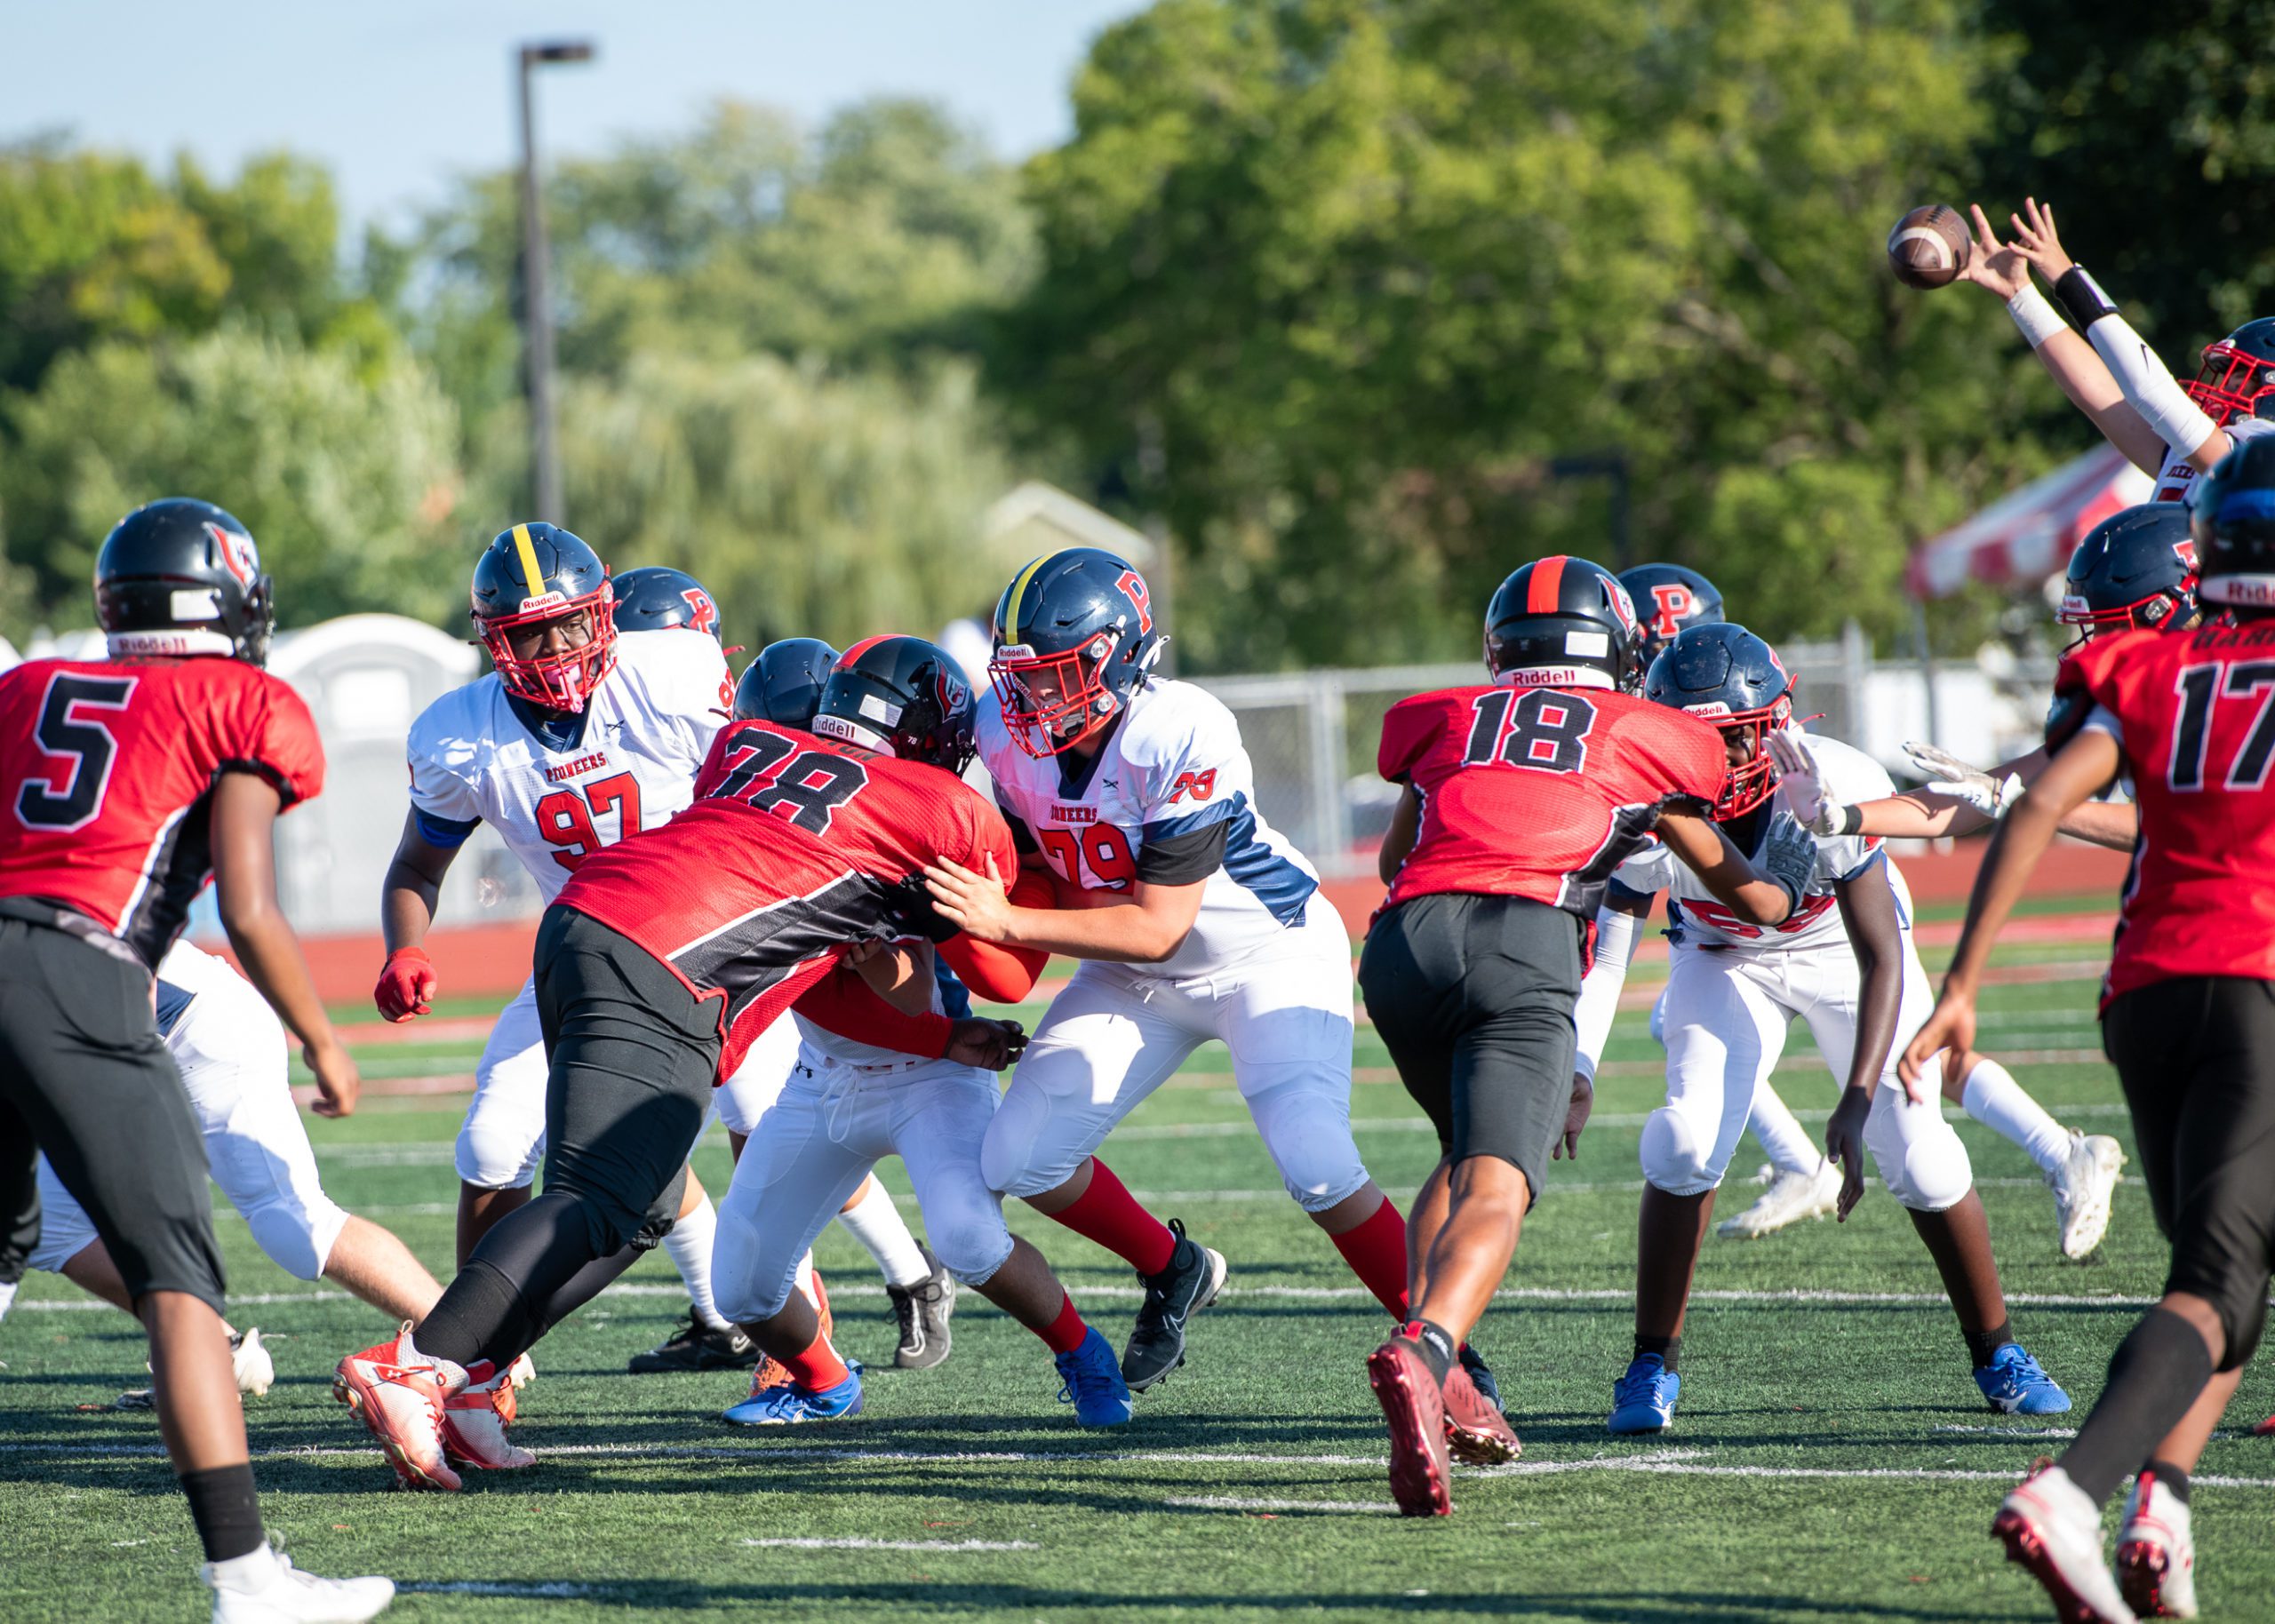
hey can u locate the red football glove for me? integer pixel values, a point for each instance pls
(407, 985)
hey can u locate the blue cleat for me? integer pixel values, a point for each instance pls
(2014, 1385)
(1093, 1383)
(1643, 1399)
(779, 1406)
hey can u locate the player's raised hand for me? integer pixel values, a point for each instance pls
(1947, 774)
(976, 904)
(406, 985)
(1844, 1143)
(2000, 266)
(1566, 1147)
(990, 1044)
(1800, 786)
(1949, 1025)
(2037, 241)
(337, 1082)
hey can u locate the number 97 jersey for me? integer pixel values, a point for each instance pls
(647, 728)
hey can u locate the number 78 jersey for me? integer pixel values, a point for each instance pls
(1540, 792)
(648, 727)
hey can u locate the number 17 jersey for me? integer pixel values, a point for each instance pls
(1540, 792)
(648, 727)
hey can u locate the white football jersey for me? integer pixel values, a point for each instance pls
(1850, 776)
(1170, 779)
(648, 727)
(2176, 479)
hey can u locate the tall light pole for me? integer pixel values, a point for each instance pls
(536, 308)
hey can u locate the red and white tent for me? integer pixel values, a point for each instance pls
(2027, 536)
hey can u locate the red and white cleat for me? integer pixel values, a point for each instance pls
(474, 1420)
(2156, 1553)
(2051, 1528)
(1416, 1410)
(397, 1392)
(1476, 1433)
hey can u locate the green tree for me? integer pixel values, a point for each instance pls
(1327, 283)
(346, 472)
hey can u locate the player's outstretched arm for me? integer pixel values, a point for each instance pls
(246, 806)
(2003, 268)
(1757, 897)
(408, 895)
(2079, 770)
(1146, 929)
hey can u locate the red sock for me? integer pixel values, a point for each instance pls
(1065, 1334)
(1376, 1253)
(1109, 1215)
(818, 1368)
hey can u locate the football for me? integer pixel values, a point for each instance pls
(1928, 247)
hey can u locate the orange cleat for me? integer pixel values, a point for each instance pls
(397, 1393)
(1476, 1433)
(1416, 1409)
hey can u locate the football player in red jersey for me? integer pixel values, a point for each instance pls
(129, 784)
(1521, 799)
(657, 964)
(2188, 1017)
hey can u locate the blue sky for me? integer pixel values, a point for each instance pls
(397, 97)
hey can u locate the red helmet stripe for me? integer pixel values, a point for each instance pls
(1545, 586)
(863, 647)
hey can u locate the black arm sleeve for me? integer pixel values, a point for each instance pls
(1181, 859)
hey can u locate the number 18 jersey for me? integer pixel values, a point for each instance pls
(648, 727)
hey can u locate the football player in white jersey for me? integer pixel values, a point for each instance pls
(2172, 432)
(229, 1048)
(1844, 963)
(1193, 920)
(578, 738)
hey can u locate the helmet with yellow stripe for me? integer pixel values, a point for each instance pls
(1075, 633)
(542, 605)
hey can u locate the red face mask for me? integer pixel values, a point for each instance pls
(1753, 780)
(563, 680)
(1053, 702)
(2231, 384)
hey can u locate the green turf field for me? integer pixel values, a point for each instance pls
(1831, 1460)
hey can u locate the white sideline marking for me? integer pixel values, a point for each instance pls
(922, 1545)
(1234, 1503)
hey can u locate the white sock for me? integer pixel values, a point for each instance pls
(690, 1246)
(1791, 1148)
(7, 1296)
(1993, 1098)
(874, 1222)
(249, 1574)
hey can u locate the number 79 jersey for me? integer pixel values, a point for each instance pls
(1169, 798)
(648, 727)
(1540, 792)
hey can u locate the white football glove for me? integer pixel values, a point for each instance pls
(1947, 774)
(1788, 857)
(1801, 787)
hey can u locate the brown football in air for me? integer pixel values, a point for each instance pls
(1930, 246)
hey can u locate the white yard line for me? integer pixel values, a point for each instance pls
(930, 1545)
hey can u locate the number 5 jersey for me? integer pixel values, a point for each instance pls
(1540, 792)
(108, 769)
(556, 802)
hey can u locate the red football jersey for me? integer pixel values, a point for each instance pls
(1542, 791)
(791, 853)
(2196, 714)
(108, 769)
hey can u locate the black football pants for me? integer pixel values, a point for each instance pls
(632, 1058)
(85, 1078)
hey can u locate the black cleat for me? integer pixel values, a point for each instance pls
(1481, 1377)
(696, 1345)
(924, 1310)
(1191, 1282)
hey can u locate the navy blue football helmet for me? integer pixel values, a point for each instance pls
(1563, 622)
(535, 573)
(1669, 597)
(1722, 673)
(2134, 568)
(657, 598)
(179, 576)
(2237, 377)
(1074, 636)
(2233, 521)
(784, 684)
(902, 696)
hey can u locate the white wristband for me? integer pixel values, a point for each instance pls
(2035, 315)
